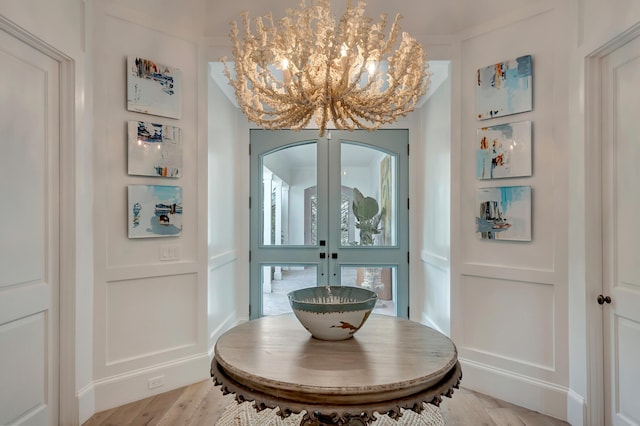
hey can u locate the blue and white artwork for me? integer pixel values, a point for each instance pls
(154, 150)
(504, 213)
(505, 88)
(504, 151)
(155, 211)
(153, 88)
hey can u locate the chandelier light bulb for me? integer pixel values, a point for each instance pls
(371, 67)
(330, 70)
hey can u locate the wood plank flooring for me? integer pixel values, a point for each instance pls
(202, 404)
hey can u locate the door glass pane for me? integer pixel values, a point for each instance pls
(289, 196)
(368, 203)
(279, 280)
(381, 279)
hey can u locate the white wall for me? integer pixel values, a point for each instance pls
(223, 223)
(60, 24)
(150, 316)
(509, 299)
(431, 288)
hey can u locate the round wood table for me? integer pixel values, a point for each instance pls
(390, 364)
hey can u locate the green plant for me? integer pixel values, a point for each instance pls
(365, 209)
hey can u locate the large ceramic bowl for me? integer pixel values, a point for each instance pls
(332, 312)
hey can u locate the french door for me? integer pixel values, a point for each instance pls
(329, 210)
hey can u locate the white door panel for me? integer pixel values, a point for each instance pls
(29, 229)
(22, 350)
(621, 227)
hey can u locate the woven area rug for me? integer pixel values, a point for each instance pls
(245, 415)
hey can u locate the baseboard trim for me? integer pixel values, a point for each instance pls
(134, 385)
(528, 392)
(86, 400)
(576, 409)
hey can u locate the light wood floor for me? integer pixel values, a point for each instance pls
(202, 404)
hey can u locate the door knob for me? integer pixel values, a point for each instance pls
(603, 299)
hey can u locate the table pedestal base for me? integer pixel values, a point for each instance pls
(318, 414)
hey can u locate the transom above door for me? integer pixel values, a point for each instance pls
(329, 211)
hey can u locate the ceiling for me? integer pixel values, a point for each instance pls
(420, 17)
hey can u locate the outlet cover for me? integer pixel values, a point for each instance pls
(156, 382)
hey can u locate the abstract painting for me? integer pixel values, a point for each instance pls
(504, 213)
(153, 88)
(504, 88)
(504, 151)
(155, 211)
(154, 149)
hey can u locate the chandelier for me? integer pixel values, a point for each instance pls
(307, 65)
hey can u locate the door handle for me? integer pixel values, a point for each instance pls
(334, 255)
(323, 255)
(602, 299)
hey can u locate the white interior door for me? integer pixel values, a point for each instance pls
(29, 234)
(621, 229)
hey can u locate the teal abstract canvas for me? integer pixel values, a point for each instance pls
(504, 88)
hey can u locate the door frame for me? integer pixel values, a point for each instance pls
(593, 261)
(68, 406)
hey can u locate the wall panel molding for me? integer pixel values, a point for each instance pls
(149, 318)
(509, 19)
(503, 272)
(513, 320)
(221, 259)
(166, 26)
(125, 273)
(436, 260)
(518, 365)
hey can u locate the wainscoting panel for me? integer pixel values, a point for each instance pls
(437, 292)
(222, 303)
(509, 319)
(149, 316)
